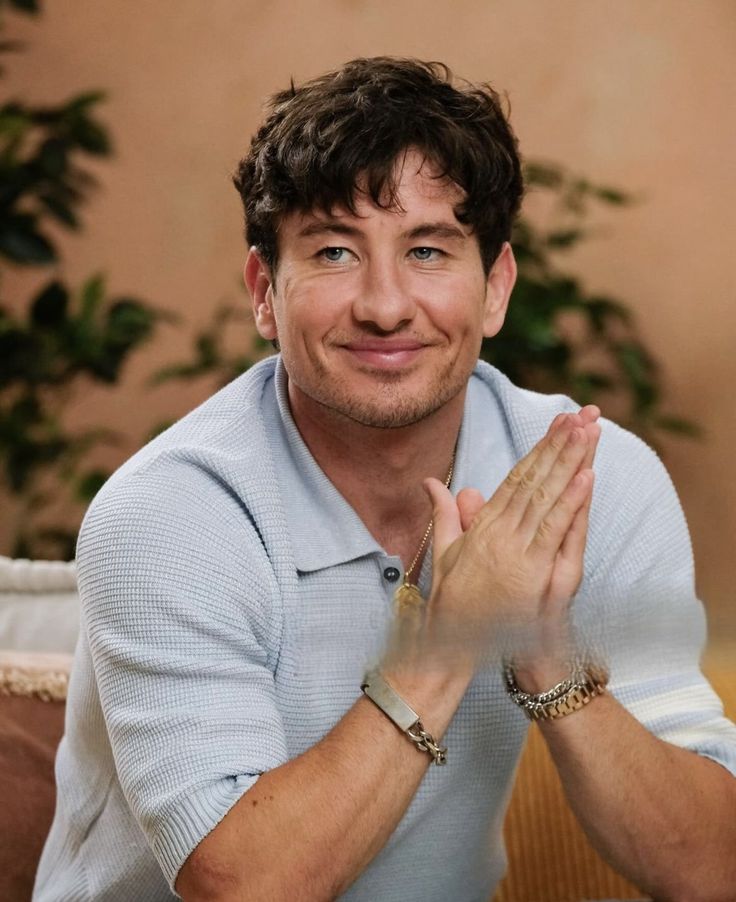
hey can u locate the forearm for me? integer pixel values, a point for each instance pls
(663, 816)
(307, 829)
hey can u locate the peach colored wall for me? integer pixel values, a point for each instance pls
(637, 94)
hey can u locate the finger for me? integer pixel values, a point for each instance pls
(568, 568)
(531, 490)
(593, 432)
(445, 517)
(557, 422)
(553, 529)
(525, 475)
(548, 492)
(589, 414)
(469, 502)
(573, 545)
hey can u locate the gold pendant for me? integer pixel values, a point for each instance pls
(408, 598)
(406, 628)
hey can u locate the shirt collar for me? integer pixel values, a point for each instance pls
(325, 529)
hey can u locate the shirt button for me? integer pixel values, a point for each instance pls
(391, 574)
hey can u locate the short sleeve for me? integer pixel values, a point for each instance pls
(638, 605)
(182, 613)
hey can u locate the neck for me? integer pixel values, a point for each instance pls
(380, 471)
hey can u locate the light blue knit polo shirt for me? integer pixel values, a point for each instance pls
(231, 600)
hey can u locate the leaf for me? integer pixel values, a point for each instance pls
(48, 310)
(679, 426)
(639, 369)
(128, 323)
(601, 311)
(606, 307)
(613, 196)
(587, 385)
(207, 349)
(547, 175)
(593, 380)
(62, 539)
(81, 102)
(13, 121)
(60, 210)
(19, 356)
(31, 7)
(89, 483)
(21, 242)
(52, 158)
(564, 238)
(91, 297)
(90, 136)
(158, 429)
(177, 371)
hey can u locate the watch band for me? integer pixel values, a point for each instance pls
(570, 695)
(406, 719)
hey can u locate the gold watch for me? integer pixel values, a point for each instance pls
(585, 682)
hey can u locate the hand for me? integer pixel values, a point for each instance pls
(516, 560)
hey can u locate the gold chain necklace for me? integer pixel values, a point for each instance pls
(407, 597)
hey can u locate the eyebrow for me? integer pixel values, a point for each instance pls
(425, 230)
(324, 226)
(437, 230)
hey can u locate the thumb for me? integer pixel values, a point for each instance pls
(469, 502)
(446, 516)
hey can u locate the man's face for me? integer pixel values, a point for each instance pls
(380, 315)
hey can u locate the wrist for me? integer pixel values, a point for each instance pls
(582, 683)
(385, 694)
(434, 694)
(541, 675)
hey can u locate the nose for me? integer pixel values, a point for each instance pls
(384, 297)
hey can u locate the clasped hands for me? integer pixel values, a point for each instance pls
(505, 570)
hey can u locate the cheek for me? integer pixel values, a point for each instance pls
(457, 305)
(314, 305)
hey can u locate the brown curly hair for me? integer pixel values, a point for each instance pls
(321, 137)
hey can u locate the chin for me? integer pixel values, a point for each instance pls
(394, 407)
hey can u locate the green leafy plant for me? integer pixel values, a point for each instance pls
(64, 339)
(212, 356)
(558, 337)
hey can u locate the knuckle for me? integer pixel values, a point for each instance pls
(529, 478)
(540, 496)
(572, 454)
(558, 441)
(515, 476)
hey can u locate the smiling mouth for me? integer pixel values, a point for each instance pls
(385, 354)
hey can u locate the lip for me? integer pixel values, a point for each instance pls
(393, 354)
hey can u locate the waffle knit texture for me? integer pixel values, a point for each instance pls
(231, 600)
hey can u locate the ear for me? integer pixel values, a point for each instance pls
(258, 280)
(500, 283)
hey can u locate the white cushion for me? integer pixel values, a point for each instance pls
(39, 606)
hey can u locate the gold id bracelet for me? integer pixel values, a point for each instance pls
(406, 719)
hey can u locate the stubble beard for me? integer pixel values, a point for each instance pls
(391, 405)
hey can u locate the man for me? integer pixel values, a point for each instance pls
(244, 575)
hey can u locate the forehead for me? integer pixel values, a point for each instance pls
(422, 193)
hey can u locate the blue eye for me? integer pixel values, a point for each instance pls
(333, 254)
(425, 253)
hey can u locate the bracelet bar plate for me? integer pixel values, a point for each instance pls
(388, 700)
